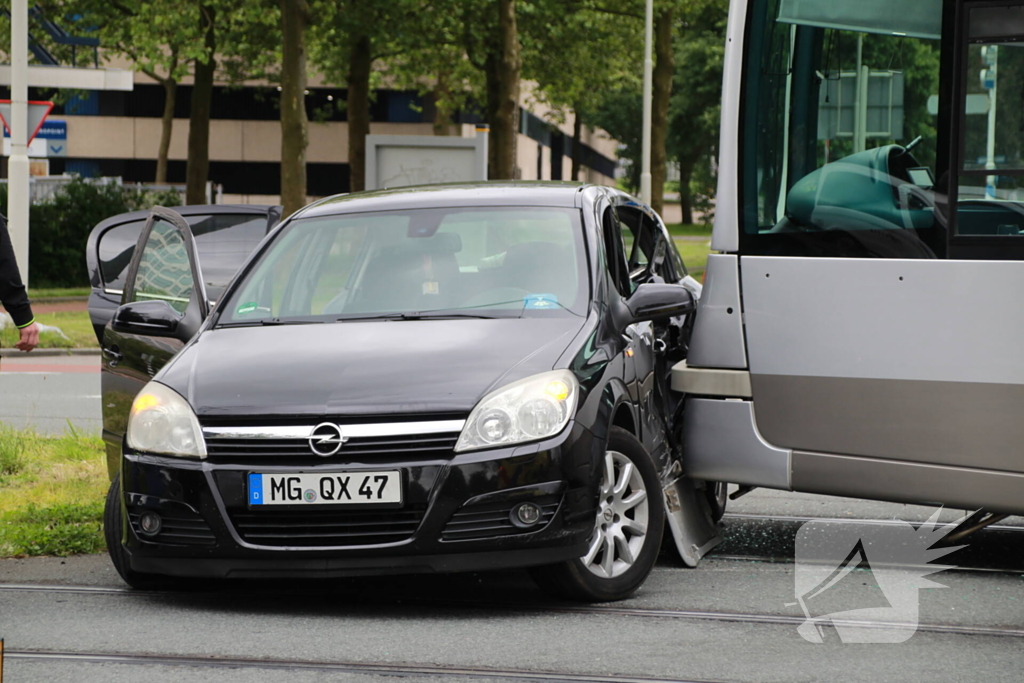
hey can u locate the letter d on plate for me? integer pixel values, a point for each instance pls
(255, 491)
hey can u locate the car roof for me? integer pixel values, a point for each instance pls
(192, 210)
(494, 193)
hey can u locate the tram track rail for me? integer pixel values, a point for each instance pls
(364, 668)
(586, 610)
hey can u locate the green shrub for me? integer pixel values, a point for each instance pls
(60, 226)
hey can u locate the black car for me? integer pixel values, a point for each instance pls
(225, 235)
(440, 378)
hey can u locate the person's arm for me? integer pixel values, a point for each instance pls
(13, 295)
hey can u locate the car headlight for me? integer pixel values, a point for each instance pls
(161, 421)
(533, 408)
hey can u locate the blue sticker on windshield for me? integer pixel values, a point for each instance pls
(541, 301)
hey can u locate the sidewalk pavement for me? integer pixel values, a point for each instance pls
(45, 393)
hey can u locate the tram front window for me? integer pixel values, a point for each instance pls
(840, 143)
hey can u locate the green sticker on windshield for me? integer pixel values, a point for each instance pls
(247, 307)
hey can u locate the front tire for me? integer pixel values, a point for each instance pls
(627, 534)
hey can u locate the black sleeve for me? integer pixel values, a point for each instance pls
(12, 292)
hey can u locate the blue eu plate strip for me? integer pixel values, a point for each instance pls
(255, 489)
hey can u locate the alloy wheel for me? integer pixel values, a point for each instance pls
(620, 529)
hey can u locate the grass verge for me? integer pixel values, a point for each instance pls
(57, 293)
(52, 491)
(695, 255)
(687, 230)
(75, 324)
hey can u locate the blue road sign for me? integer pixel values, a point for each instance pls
(53, 130)
(56, 135)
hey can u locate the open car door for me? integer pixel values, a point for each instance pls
(163, 306)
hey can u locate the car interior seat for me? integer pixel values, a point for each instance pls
(420, 274)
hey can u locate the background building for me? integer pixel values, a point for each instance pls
(111, 133)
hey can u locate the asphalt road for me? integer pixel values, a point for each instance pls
(734, 618)
(731, 619)
(46, 393)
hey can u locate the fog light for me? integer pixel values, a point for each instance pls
(525, 515)
(150, 523)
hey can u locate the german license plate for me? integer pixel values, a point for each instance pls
(335, 488)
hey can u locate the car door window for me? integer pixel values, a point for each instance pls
(116, 247)
(615, 252)
(223, 242)
(647, 247)
(164, 272)
(634, 242)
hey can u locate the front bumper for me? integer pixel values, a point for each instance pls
(453, 518)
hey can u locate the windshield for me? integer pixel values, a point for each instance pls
(486, 262)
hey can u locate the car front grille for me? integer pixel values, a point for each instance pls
(328, 528)
(369, 441)
(489, 520)
(226, 450)
(180, 527)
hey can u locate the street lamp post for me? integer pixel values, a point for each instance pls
(645, 163)
(18, 166)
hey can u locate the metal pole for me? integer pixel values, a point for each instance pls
(990, 142)
(860, 109)
(18, 167)
(645, 163)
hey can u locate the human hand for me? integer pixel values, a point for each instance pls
(29, 338)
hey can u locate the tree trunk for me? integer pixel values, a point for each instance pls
(294, 123)
(663, 66)
(198, 171)
(442, 115)
(166, 128)
(359, 67)
(502, 72)
(685, 198)
(577, 144)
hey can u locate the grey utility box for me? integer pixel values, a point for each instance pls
(403, 160)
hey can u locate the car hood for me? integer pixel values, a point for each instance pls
(363, 368)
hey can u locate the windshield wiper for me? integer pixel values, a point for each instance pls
(415, 316)
(289, 321)
(270, 321)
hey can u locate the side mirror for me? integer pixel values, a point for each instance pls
(658, 301)
(152, 318)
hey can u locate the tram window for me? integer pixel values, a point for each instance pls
(838, 132)
(990, 186)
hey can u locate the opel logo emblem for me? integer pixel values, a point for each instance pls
(326, 439)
